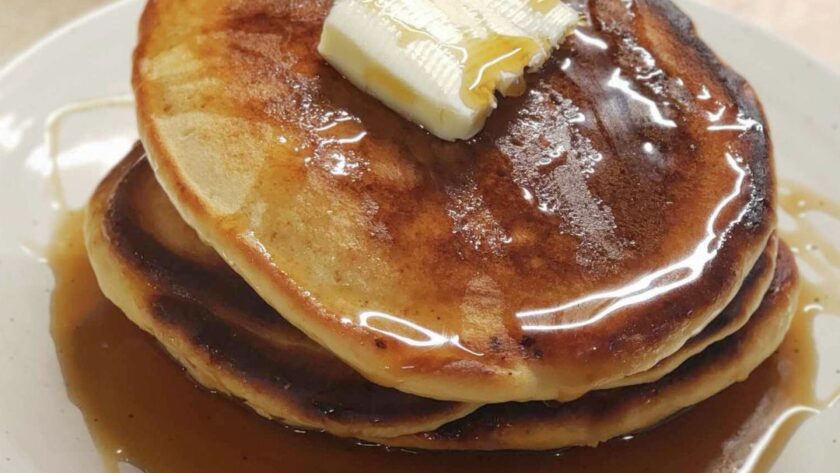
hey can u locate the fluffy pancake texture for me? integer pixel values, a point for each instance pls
(602, 415)
(594, 226)
(154, 267)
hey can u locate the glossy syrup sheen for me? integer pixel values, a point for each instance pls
(626, 190)
(143, 410)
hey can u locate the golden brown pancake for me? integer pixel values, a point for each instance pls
(733, 317)
(602, 415)
(593, 227)
(154, 267)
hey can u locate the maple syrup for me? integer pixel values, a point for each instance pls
(143, 410)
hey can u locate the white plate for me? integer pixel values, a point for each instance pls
(42, 432)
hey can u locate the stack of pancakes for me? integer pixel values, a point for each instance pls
(601, 256)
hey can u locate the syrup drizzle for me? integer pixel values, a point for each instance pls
(146, 415)
(52, 129)
(52, 132)
(817, 254)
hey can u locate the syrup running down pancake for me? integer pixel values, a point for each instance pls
(593, 227)
(153, 266)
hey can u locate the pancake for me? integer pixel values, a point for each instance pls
(602, 415)
(154, 268)
(587, 233)
(733, 317)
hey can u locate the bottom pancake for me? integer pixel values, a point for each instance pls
(154, 268)
(603, 415)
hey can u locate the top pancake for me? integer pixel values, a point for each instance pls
(594, 226)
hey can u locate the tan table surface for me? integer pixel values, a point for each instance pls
(812, 24)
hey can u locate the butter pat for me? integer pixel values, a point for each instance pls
(439, 63)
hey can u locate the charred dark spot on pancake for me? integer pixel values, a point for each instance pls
(313, 379)
(527, 342)
(528, 345)
(380, 343)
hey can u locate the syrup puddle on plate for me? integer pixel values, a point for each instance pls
(146, 414)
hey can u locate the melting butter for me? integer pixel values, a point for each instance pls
(440, 63)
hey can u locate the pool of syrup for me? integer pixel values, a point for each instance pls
(146, 414)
